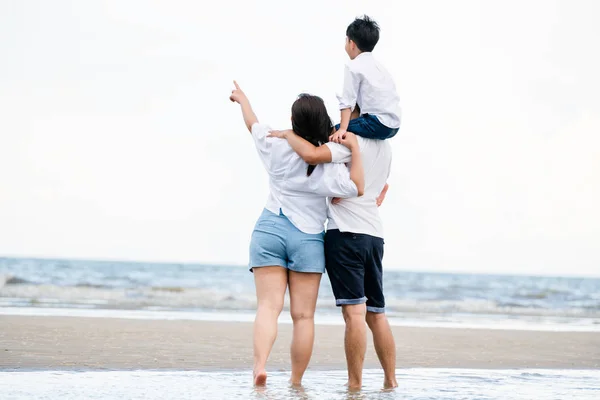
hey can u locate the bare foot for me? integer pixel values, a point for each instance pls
(390, 384)
(260, 378)
(297, 387)
(295, 384)
(353, 388)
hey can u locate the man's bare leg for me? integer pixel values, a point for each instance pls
(355, 342)
(385, 347)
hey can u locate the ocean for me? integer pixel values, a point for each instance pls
(190, 291)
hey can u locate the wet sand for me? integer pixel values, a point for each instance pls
(28, 342)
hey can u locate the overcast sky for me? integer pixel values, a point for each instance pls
(118, 141)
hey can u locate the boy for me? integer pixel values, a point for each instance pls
(369, 94)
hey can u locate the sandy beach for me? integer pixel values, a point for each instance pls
(28, 342)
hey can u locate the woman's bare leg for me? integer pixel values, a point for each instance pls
(304, 288)
(270, 283)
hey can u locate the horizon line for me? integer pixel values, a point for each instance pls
(236, 265)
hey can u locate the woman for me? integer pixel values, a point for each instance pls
(286, 248)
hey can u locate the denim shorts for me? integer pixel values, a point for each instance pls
(369, 127)
(277, 242)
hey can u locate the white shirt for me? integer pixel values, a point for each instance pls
(301, 198)
(368, 84)
(361, 214)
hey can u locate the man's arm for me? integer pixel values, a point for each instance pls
(310, 153)
(381, 196)
(357, 173)
(337, 178)
(238, 96)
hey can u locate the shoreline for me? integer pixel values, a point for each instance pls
(34, 343)
(485, 322)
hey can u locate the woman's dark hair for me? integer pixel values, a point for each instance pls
(311, 121)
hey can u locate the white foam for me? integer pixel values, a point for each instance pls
(320, 319)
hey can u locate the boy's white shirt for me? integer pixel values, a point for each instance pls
(368, 84)
(301, 198)
(361, 214)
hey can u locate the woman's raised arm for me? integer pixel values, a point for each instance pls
(238, 96)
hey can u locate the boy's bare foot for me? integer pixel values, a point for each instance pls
(260, 378)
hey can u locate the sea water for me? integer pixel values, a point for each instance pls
(417, 383)
(189, 291)
(226, 293)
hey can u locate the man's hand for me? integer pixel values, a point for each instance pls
(378, 200)
(237, 95)
(280, 134)
(381, 196)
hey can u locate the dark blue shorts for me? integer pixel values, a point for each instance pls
(369, 127)
(354, 266)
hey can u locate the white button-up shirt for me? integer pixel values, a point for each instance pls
(361, 214)
(301, 198)
(368, 84)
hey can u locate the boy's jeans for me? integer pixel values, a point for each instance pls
(369, 127)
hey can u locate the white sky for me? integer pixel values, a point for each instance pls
(117, 139)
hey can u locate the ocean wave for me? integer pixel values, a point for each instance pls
(92, 285)
(172, 289)
(542, 294)
(485, 307)
(181, 298)
(127, 298)
(12, 280)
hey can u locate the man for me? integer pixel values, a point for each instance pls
(354, 251)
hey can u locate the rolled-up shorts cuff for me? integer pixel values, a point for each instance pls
(377, 310)
(279, 263)
(306, 271)
(350, 302)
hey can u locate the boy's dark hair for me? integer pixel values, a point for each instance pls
(311, 121)
(364, 32)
